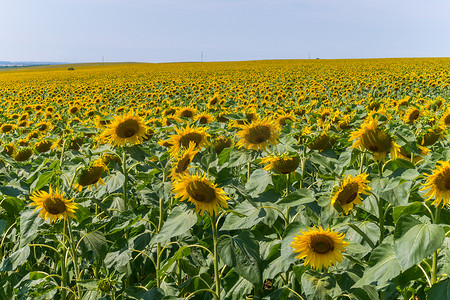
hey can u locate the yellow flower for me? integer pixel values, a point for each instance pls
(322, 142)
(23, 154)
(370, 137)
(438, 184)
(184, 136)
(53, 205)
(283, 164)
(91, 175)
(319, 248)
(198, 190)
(124, 130)
(182, 161)
(258, 134)
(347, 194)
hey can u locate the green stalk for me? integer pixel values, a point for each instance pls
(303, 160)
(380, 207)
(248, 171)
(75, 259)
(435, 254)
(215, 257)
(125, 173)
(158, 246)
(63, 266)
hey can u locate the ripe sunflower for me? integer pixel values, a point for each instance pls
(438, 184)
(6, 128)
(184, 136)
(347, 194)
(128, 129)
(23, 154)
(43, 145)
(198, 190)
(53, 205)
(182, 161)
(91, 175)
(319, 248)
(221, 143)
(370, 137)
(258, 134)
(283, 164)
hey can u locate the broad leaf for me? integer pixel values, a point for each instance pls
(180, 221)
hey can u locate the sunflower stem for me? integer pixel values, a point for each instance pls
(75, 259)
(361, 233)
(63, 266)
(248, 171)
(125, 173)
(303, 159)
(361, 164)
(435, 254)
(380, 207)
(160, 221)
(215, 257)
(288, 181)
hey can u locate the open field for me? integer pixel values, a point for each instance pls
(284, 179)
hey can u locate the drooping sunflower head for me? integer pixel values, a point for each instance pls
(374, 139)
(221, 143)
(128, 129)
(184, 136)
(319, 248)
(322, 141)
(284, 164)
(258, 134)
(23, 154)
(53, 205)
(348, 192)
(181, 163)
(445, 119)
(6, 128)
(91, 175)
(430, 136)
(438, 184)
(198, 190)
(412, 115)
(43, 145)
(9, 149)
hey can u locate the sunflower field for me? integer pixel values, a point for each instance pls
(288, 179)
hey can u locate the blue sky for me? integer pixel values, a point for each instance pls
(180, 30)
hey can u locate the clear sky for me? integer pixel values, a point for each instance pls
(180, 30)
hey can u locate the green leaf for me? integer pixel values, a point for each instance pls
(258, 182)
(287, 254)
(418, 243)
(241, 252)
(246, 217)
(182, 252)
(42, 181)
(180, 221)
(318, 285)
(29, 225)
(300, 196)
(440, 290)
(383, 266)
(96, 241)
(414, 208)
(15, 260)
(119, 260)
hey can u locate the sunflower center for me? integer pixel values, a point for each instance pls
(443, 180)
(183, 164)
(376, 141)
(348, 193)
(258, 134)
(286, 165)
(54, 205)
(322, 244)
(127, 129)
(447, 120)
(201, 191)
(190, 137)
(91, 176)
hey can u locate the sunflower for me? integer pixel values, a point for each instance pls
(43, 126)
(184, 136)
(186, 112)
(182, 161)
(204, 118)
(53, 205)
(43, 145)
(23, 154)
(9, 149)
(370, 137)
(431, 136)
(128, 129)
(322, 142)
(445, 119)
(319, 248)
(6, 128)
(283, 164)
(198, 190)
(347, 194)
(258, 134)
(221, 143)
(412, 115)
(438, 184)
(91, 175)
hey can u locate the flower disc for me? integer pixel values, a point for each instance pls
(438, 184)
